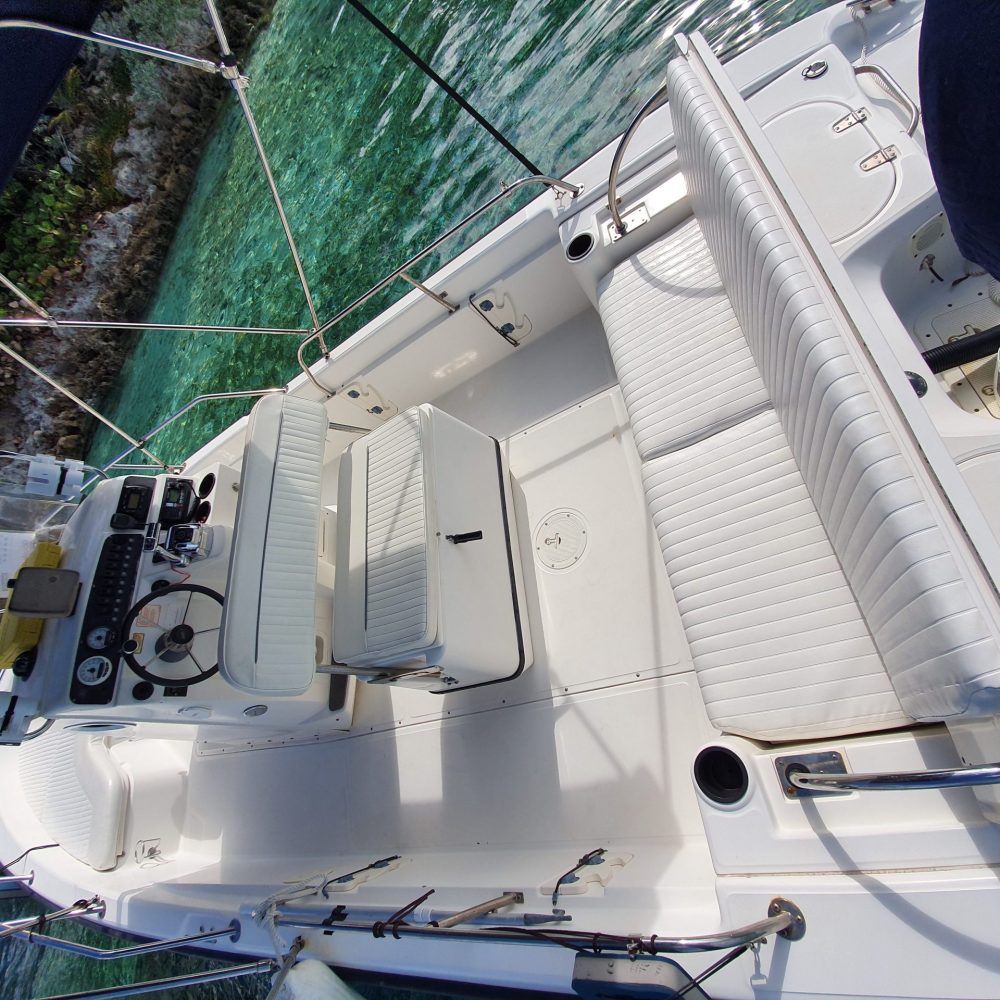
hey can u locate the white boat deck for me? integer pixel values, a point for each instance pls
(590, 747)
(503, 787)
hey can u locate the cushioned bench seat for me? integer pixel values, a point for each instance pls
(817, 587)
(683, 363)
(781, 648)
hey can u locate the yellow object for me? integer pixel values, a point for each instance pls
(17, 634)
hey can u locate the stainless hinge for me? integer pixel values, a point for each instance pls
(855, 117)
(884, 155)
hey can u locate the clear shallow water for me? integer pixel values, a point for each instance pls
(373, 161)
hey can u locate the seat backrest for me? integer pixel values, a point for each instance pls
(78, 792)
(267, 642)
(937, 640)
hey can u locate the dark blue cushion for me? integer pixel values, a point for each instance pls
(32, 64)
(959, 96)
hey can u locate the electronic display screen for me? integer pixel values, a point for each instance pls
(133, 501)
(172, 495)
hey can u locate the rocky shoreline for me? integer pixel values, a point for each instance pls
(110, 272)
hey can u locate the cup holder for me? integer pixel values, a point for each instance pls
(580, 246)
(206, 485)
(721, 776)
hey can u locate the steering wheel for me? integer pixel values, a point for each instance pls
(175, 627)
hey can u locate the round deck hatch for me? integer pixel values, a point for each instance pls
(823, 149)
(561, 539)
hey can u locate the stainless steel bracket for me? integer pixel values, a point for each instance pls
(639, 216)
(828, 762)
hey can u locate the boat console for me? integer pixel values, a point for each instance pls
(145, 559)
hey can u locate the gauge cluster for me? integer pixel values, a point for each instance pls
(156, 522)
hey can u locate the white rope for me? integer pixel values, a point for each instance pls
(265, 912)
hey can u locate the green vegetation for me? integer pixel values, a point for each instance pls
(44, 210)
(42, 229)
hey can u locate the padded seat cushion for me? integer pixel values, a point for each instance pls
(385, 564)
(779, 645)
(682, 361)
(267, 644)
(79, 794)
(928, 624)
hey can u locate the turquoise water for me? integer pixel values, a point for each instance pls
(373, 161)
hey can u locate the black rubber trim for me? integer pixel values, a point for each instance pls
(9, 714)
(513, 587)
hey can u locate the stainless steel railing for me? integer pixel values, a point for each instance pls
(572, 189)
(889, 84)
(112, 41)
(130, 951)
(644, 112)
(949, 777)
(28, 930)
(81, 908)
(258, 968)
(228, 69)
(784, 919)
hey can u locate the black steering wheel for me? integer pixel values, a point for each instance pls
(174, 627)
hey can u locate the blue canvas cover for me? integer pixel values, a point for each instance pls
(959, 86)
(32, 64)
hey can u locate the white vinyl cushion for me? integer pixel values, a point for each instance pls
(78, 793)
(396, 537)
(384, 599)
(941, 656)
(778, 642)
(682, 361)
(267, 645)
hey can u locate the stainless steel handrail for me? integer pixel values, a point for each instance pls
(206, 65)
(648, 108)
(81, 908)
(784, 919)
(891, 86)
(12, 881)
(86, 407)
(572, 189)
(130, 951)
(177, 414)
(948, 777)
(239, 84)
(257, 968)
(96, 324)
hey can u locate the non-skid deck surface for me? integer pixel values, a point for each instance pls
(595, 741)
(607, 618)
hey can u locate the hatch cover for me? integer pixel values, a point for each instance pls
(561, 539)
(824, 162)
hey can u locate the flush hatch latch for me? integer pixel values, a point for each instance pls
(855, 117)
(885, 155)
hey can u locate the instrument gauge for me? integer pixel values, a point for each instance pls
(93, 671)
(101, 637)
